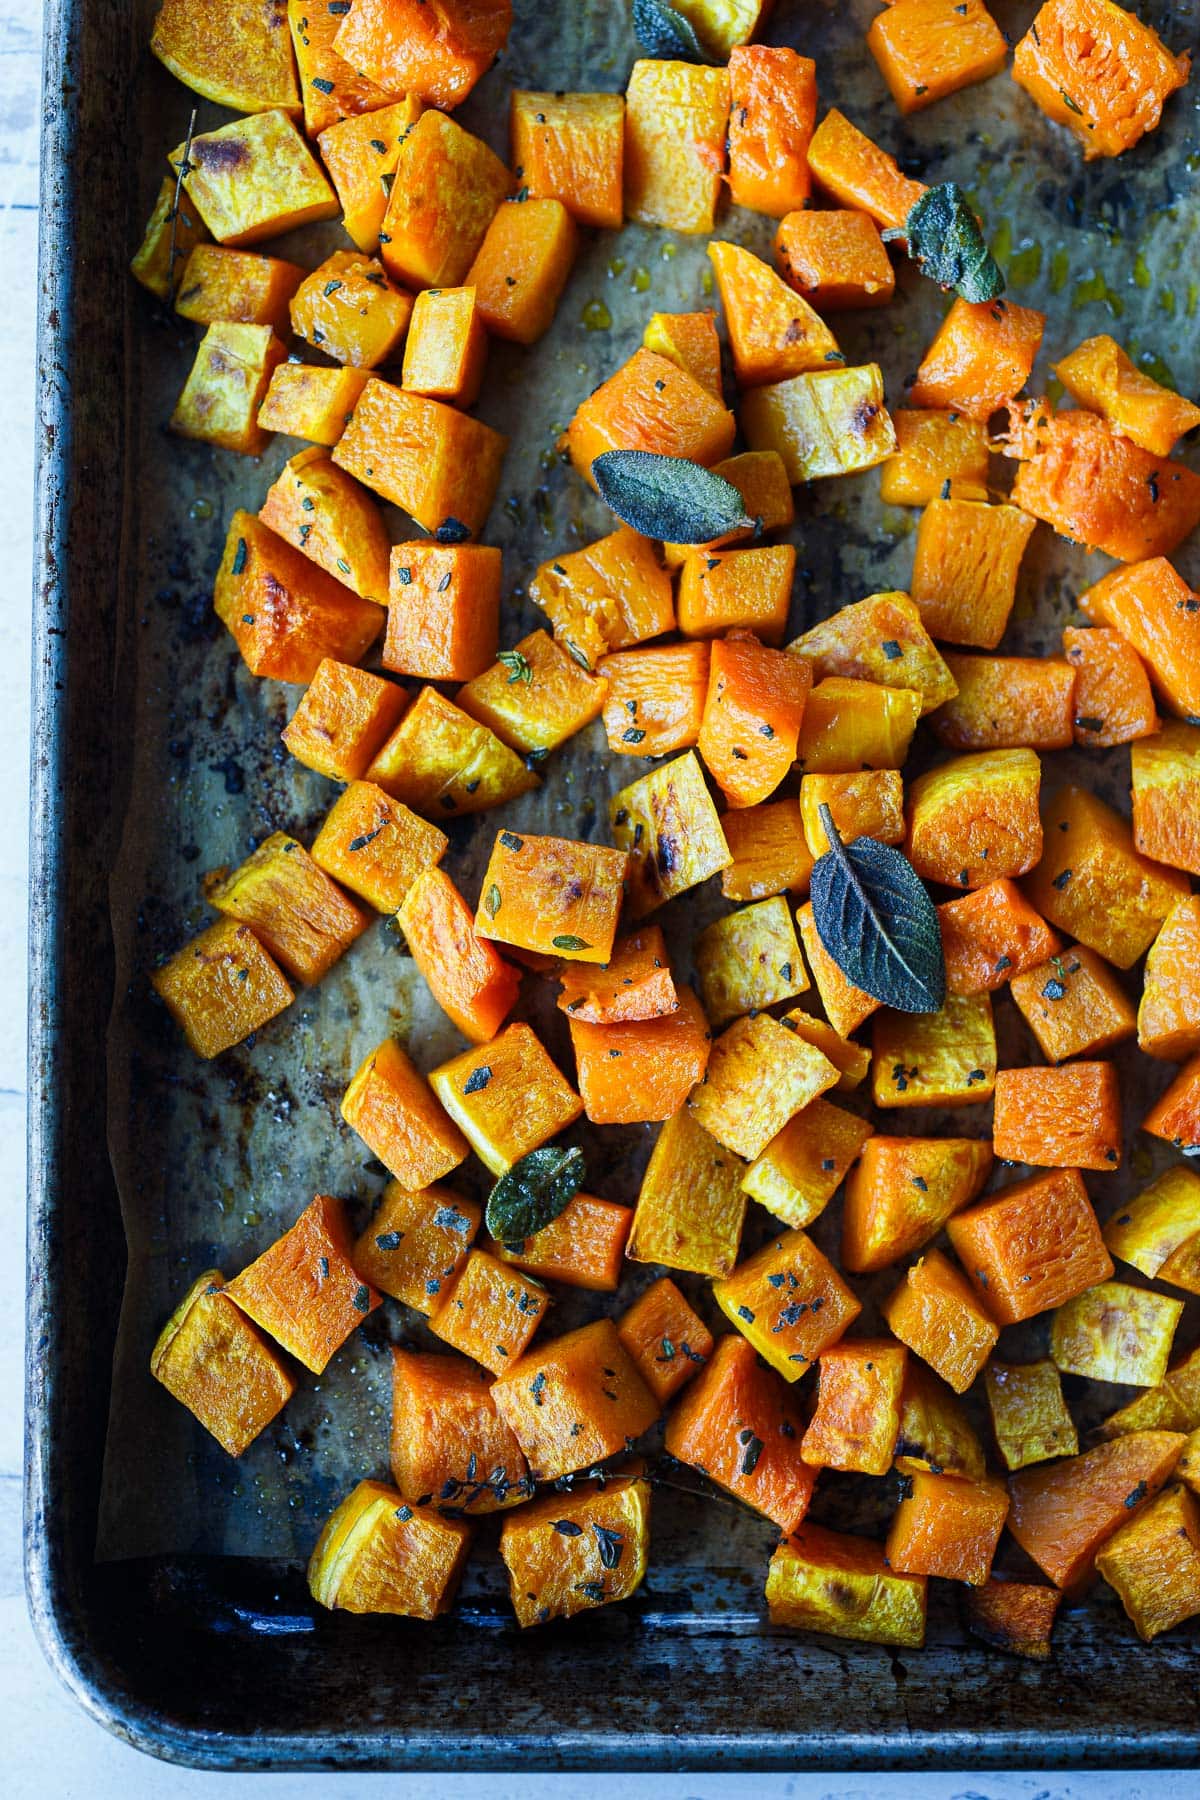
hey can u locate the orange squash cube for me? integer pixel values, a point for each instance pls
(607, 596)
(284, 612)
(1059, 1118)
(991, 936)
(1031, 1246)
(655, 698)
(221, 987)
(691, 1207)
(770, 855)
(826, 1581)
(690, 341)
(361, 153)
(1103, 378)
(668, 825)
(489, 1312)
(1175, 1116)
(935, 448)
(1166, 796)
(773, 333)
(534, 696)
(1029, 1415)
(752, 715)
(302, 917)
(1063, 1514)
(567, 1554)
(241, 59)
(218, 283)
(378, 1554)
(846, 1006)
(254, 178)
(789, 1301)
(435, 462)
(446, 347)
(965, 569)
(739, 1424)
(850, 725)
(437, 51)
(676, 114)
(444, 194)
(441, 759)
(1008, 702)
(305, 1291)
(1113, 702)
(1099, 70)
(448, 1442)
(936, 1314)
(650, 404)
(521, 267)
(836, 261)
(416, 1243)
(552, 895)
(975, 818)
(902, 1192)
(349, 309)
(375, 846)
(927, 49)
(396, 1114)
(507, 1096)
(666, 1339)
(737, 590)
(879, 641)
(949, 1527)
(214, 1361)
(443, 610)
(571, 147)
(1153, 1563)
(946, 1058)
(1157, 613)
(332, 89)
(857, 1418)
(858, 174)
(575, 1400)
(980, 358)
(867, 804)
(642, 1070)
(635, 983)
(471, 983)
(316, 507)
(799, 1171)
(225, 388)
(311, 403)
(584, 1247)
(773, 110)
(1074, 1004)
(343, 719)
(1168, 1017)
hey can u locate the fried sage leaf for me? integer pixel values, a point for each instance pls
(877, 922)
(662, 30)
(669, 497)
(944, 237)
(533, 1193)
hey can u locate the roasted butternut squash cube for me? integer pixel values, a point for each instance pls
(575, 1400)
(446, 347)
(584, 1247)
(1154, 610)
(343, 719)
(396, 1114)
(668, 825)
(737, 590)
(239, 286)
(935, 1313)
(1113, 702)
(739, 1424)
(571, 147)
(799, 1171)
(768, 849)
(350, 310)
(748, 960)
(171, 235)
(416, 1244)
(975, 819)
(1099, 70)
(332, 88)
(311, 403)
(927, 49)
(303, 918)
(857, 1418)
(437, 463)
(440, 759)
(965, 569)
(213, 1360)
(655, 698)
(316, 507)
(608, 595)
(1029, 1415)
(1063, 1514)
(1114, 1332)
(221, 397)
(239, 57)
(1074, 1004)
(1152, 1409)
(1102, 377)
(1166, 796)
(1168, 1019)
(378, 1554)
(773, 109)
(443, 610)
(676, 115)
(221, 987)
(752, 716)
(691, 1207)
(934, 448)
(1153, 1563)
(759, 1075)
(285, 613)
(552, 895)
(448, 1442)
(829, 422)
(879, 640)
(850, 725)
(1059, 1118)
(254, 178)
(858, 174)
(835, 260)
(469, 980)
(361, 154)
(375, 846)
(846, 1006)
(902, 1192)
(436, 51)
(761, 479)
(635, 983)
(789, 1301)
(991, 936)
(305, 1291)
(650, 404)
(845, 1587)
(946, 1058)
(568, 1553)
(690, 341)
(1007, 703)
(534, 696)
(1188, 1466)
(949, 1527)
(1033, 1245)
(935, 1432)
(773, 333)
(507, 1096)
(850, 1059)
(666, 1339)
(521, 267)
(444, 193)
(981, 356)
(867, 804)
(1175, 1115)
(489, 1312)
(642, 1070)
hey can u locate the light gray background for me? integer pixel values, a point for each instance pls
(48, 1747)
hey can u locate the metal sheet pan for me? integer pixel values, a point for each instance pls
(220, 1661)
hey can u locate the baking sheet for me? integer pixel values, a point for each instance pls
(214, 1161)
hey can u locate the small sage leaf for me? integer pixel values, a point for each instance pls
(669, 497)
(663, 31)
(517, 665)
(877, 922)
(944, 237)
(565, 941)
(535, 1191)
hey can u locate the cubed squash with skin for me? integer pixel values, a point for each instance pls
(1099, 70)
(1113, 701)
(437, 51)
(241, 57)
(857, 1417)
(936, 1314)
(1168, 1019)
(344, 718)
(829, 422)
(574, 1400)
(1156, 1231)
(1102, 377)
(311, 403)
(399, 1118)
(1115, 1332)
(991, 936)
(789, 1301)
(773, 111)
(1031, 1246)
(305, 1291)
(1063, 1514)
(171, 235)
(489, 1312)
(1157, 613)
(936, 1436)
(220, 400)
(846, 1006)
(761, 479)
(1029, 1416)
(835, 260)
(567, 1554)
(643, 1070)
(331, 87)
(303, 918)
(416, 1243)
(1008, 703)
(1153, 1563)
(737, 590)
(237, 285)
(1092, 883)
(448, 1442)
(691, 1207)
(446, 348)
(946, 1058)
(635, 982)
(800, 1170)
(850, 1059)
(469, 979)
(927, 49)
(980, 357)
(1065, 1118)
(440, 465)
(441, 760)
(773, 333)
(1074, 1004)
(221, 987)
(607, 596)
(676, 114)
(552, 895)
(739, 1424)
(316, 507)
(655, 698)
(361, 152)
(949, 1527)
(759, 1075)
(668, 825)
(935, 447)
(965, 569)
(521, 267)
(666, 1339)
(218, 1365)
(443, 610)
(850, 725)
(254, 178)
(901, 1193)
(534, 696)
(375, 846)
(867, 804)
(650, 403)
(378, 1554)
(1166, 796)
(843, 1586)
(1175, 1115)
(507, 1097)
(768, 849)
(975, 819)
(753, 712)
(571, 147)
(444, 193)
(858, 174)
(584, 1247)
(749, 959)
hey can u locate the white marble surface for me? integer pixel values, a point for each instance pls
(48, 1747)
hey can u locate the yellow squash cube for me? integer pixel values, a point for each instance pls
(975, 818)
(226, 387)
(789, 1301)
(846, 1006)
(302, 917)
(852, 1060)
(831, 422)
(1166, 795)
(844, 1586)
(1113, 1332)
(446, 350)
(676, 114)
(322, 511)
(881, 639)
(768, 849)
(535, 696)
(1153, 1563)
(946, 1058)
(222, 987)
(608, 596)
(440, 465)
(1159, 1231)
(220, 1366)
(255, 178)
(965, 569)
(1168, 1016)
(723, 24)
(238, 286)
(361, 154)
(759, 1075)
(668, 824)
(868, 803)
(378, 1554)
(691, 1207)
(239, 54)
(748, 960)
(850, 725)
(507, 1096)
(442, 761)
(444, 193)
(1029, 1415)
(169, 238)
(568, 1552)
(798, 1173)
(348, 309)
(311, 403)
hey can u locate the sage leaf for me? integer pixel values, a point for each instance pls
(875, 919)
(944, 237)
(517, 665)
(663, 31)
(669, 497)
(536, 1189)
